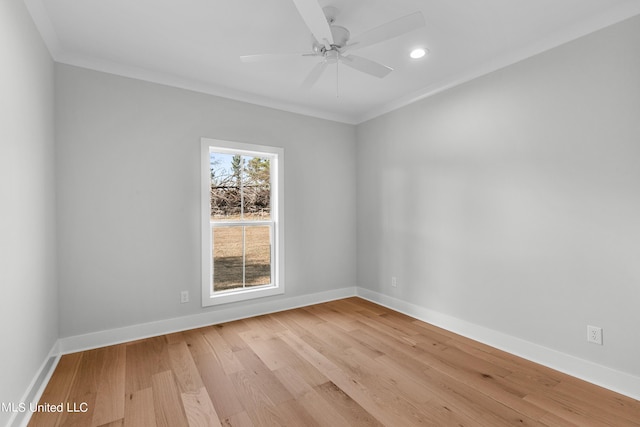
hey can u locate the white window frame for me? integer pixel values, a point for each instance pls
(276, 156)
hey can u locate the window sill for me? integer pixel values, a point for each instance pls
(237, 296)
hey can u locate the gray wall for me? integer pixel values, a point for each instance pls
(128, 191)
(29, 303)
(513, 201)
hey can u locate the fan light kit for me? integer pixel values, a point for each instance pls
(333, 44)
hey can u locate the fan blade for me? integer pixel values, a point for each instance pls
(271, 57)
(314, 75)
(366, 65)
(313, 16)
(387, 31)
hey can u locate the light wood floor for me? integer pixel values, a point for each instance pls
(343, 363)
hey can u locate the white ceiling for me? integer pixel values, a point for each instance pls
(196, 44)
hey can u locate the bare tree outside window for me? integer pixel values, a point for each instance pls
(240, 187)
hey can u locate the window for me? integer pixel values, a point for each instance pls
(242, 230)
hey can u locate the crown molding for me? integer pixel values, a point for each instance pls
(566, 35)
(40, 16)
(176, 81)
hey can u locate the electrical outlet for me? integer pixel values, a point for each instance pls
(594, 335)
(184, 297)
(394, 282)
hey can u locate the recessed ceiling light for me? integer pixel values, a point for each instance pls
(418, 53)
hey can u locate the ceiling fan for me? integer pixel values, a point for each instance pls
(333, 43)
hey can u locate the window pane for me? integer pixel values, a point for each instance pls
(227, 258)
(256, 188)
(258, 255)
(226, 198)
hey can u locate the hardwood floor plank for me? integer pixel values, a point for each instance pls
(528, 382)
(349, 385)
(461, 360)
(260, 378)
(339, 339)
(139, 409)
(196, 343)
(295, 414)
(272, 352)
(571, 409)
(223, 350)
(308, 353)
(145, 358)
(229, 332)
(604, 401)
(342, 363)
(401, 337)
(331, 315)
(57, 389)
(219, 386)
(249, 396)
(287, 413)
(267, 323)
(302, 367)
(294, 383)
(447, 375)
(343, 404)
(551, 420)
(174, 338)
(323, 413)
(83, 389)
(376, 372)
(364, 306)
(320, 409)
(110, 395)
(241, 419)
(116, 423)
(566, 413)
(391, 390)
(524, 376)
(299, 321)
(199, 409)
(184, 368)
(412, 355)
(167, 401)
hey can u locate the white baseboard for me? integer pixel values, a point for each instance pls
(603, 376)
(219, 315)
(36, 387)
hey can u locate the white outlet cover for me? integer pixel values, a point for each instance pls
(594, 334)
(184, 296)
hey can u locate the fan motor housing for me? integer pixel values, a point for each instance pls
(340, 36)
